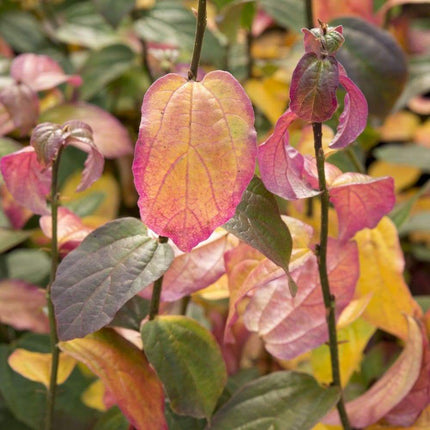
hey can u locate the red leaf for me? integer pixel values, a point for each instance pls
(195, 155)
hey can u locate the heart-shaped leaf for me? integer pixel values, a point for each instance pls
(257, 222)
(111, 265)
(281, 400)
(188, 361)
(195, 155)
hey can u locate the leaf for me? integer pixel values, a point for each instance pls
(10, 238)
(126, 373)
(40, 72)
(188, 361)
(114, 10)
(36, 366)
(353, 119)
(257, 222)
(21, 306)
(195, 270)
(110, 136)
(132, 313)
(410, 154)
(281, 165)
(391, 388)
(113, 419)
(213, 120)
(110, 266)
(313, 88)
(289, 13)
(374, 61)
(381, 273)
(418, 222)
(281, 400)
(327, 10)
(360, 201)
(104, 66)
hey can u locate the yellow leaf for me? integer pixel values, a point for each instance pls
(381, 273)
(353, 311)
(93, 396)
(144, 4)
(422, 134)
(399, 126)
(36, 366)
(306, 143)
(217, 291)
(269, 95)
(107, 186)
(404, 176)
(352, 341)
(320, 426)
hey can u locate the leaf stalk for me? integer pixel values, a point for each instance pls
(329, 299)
(198, 41)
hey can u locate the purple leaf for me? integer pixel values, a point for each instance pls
(313, 88)
(22, 108)
(353, 119)
(360, 201)
(282, 166)
(322, 44)
(26, 179)
(40, 72)
(46, 139)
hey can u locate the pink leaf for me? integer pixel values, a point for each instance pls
(195, 270)
(17, 214)
(195, 155)
(46, 139)
(22, 105)
(21, 306)
(40, 72)
(390, 389)
(282, 166)
(71, 230)
(360, 201)
(353, 119)
(26, 180)
(313, 88)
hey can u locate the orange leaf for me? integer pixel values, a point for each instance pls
(126, 373)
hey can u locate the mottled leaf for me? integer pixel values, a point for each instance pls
(257, 222)
(360, 201)
(110, 266)
(188, 361)
(381, 273)
(21, 306)
(313, 88)
(126, 373)
(374, 62)
(110, 136)
(196, 143)
(40, 72)
(281, 400)
(281, 165)
(391, 388)
(36, 366)
(353, 119)
(26, 180)
(195, 270)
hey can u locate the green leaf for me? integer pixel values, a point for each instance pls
(10, 238)
(132, 313)
(374, 61)
(418, 222)
(30, 265)
(103, 67)
(288, 13)
(113, 419)
(111, 265)
(114, 10)
(181, 422)
(279, 401)
(86, 205)
(170, 22)
(22, 31)
(188, 361)
(257, 222)
(418, 80)
(410, 154)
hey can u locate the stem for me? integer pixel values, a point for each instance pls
(198, 42)
(329, 299)
(309, 14)
(55, 352)
(355, 161)
(156, 290)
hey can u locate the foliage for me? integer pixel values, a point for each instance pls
(242, 265)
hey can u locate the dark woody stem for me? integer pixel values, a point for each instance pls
(55, 352)
(198, 41)
(329, 299)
